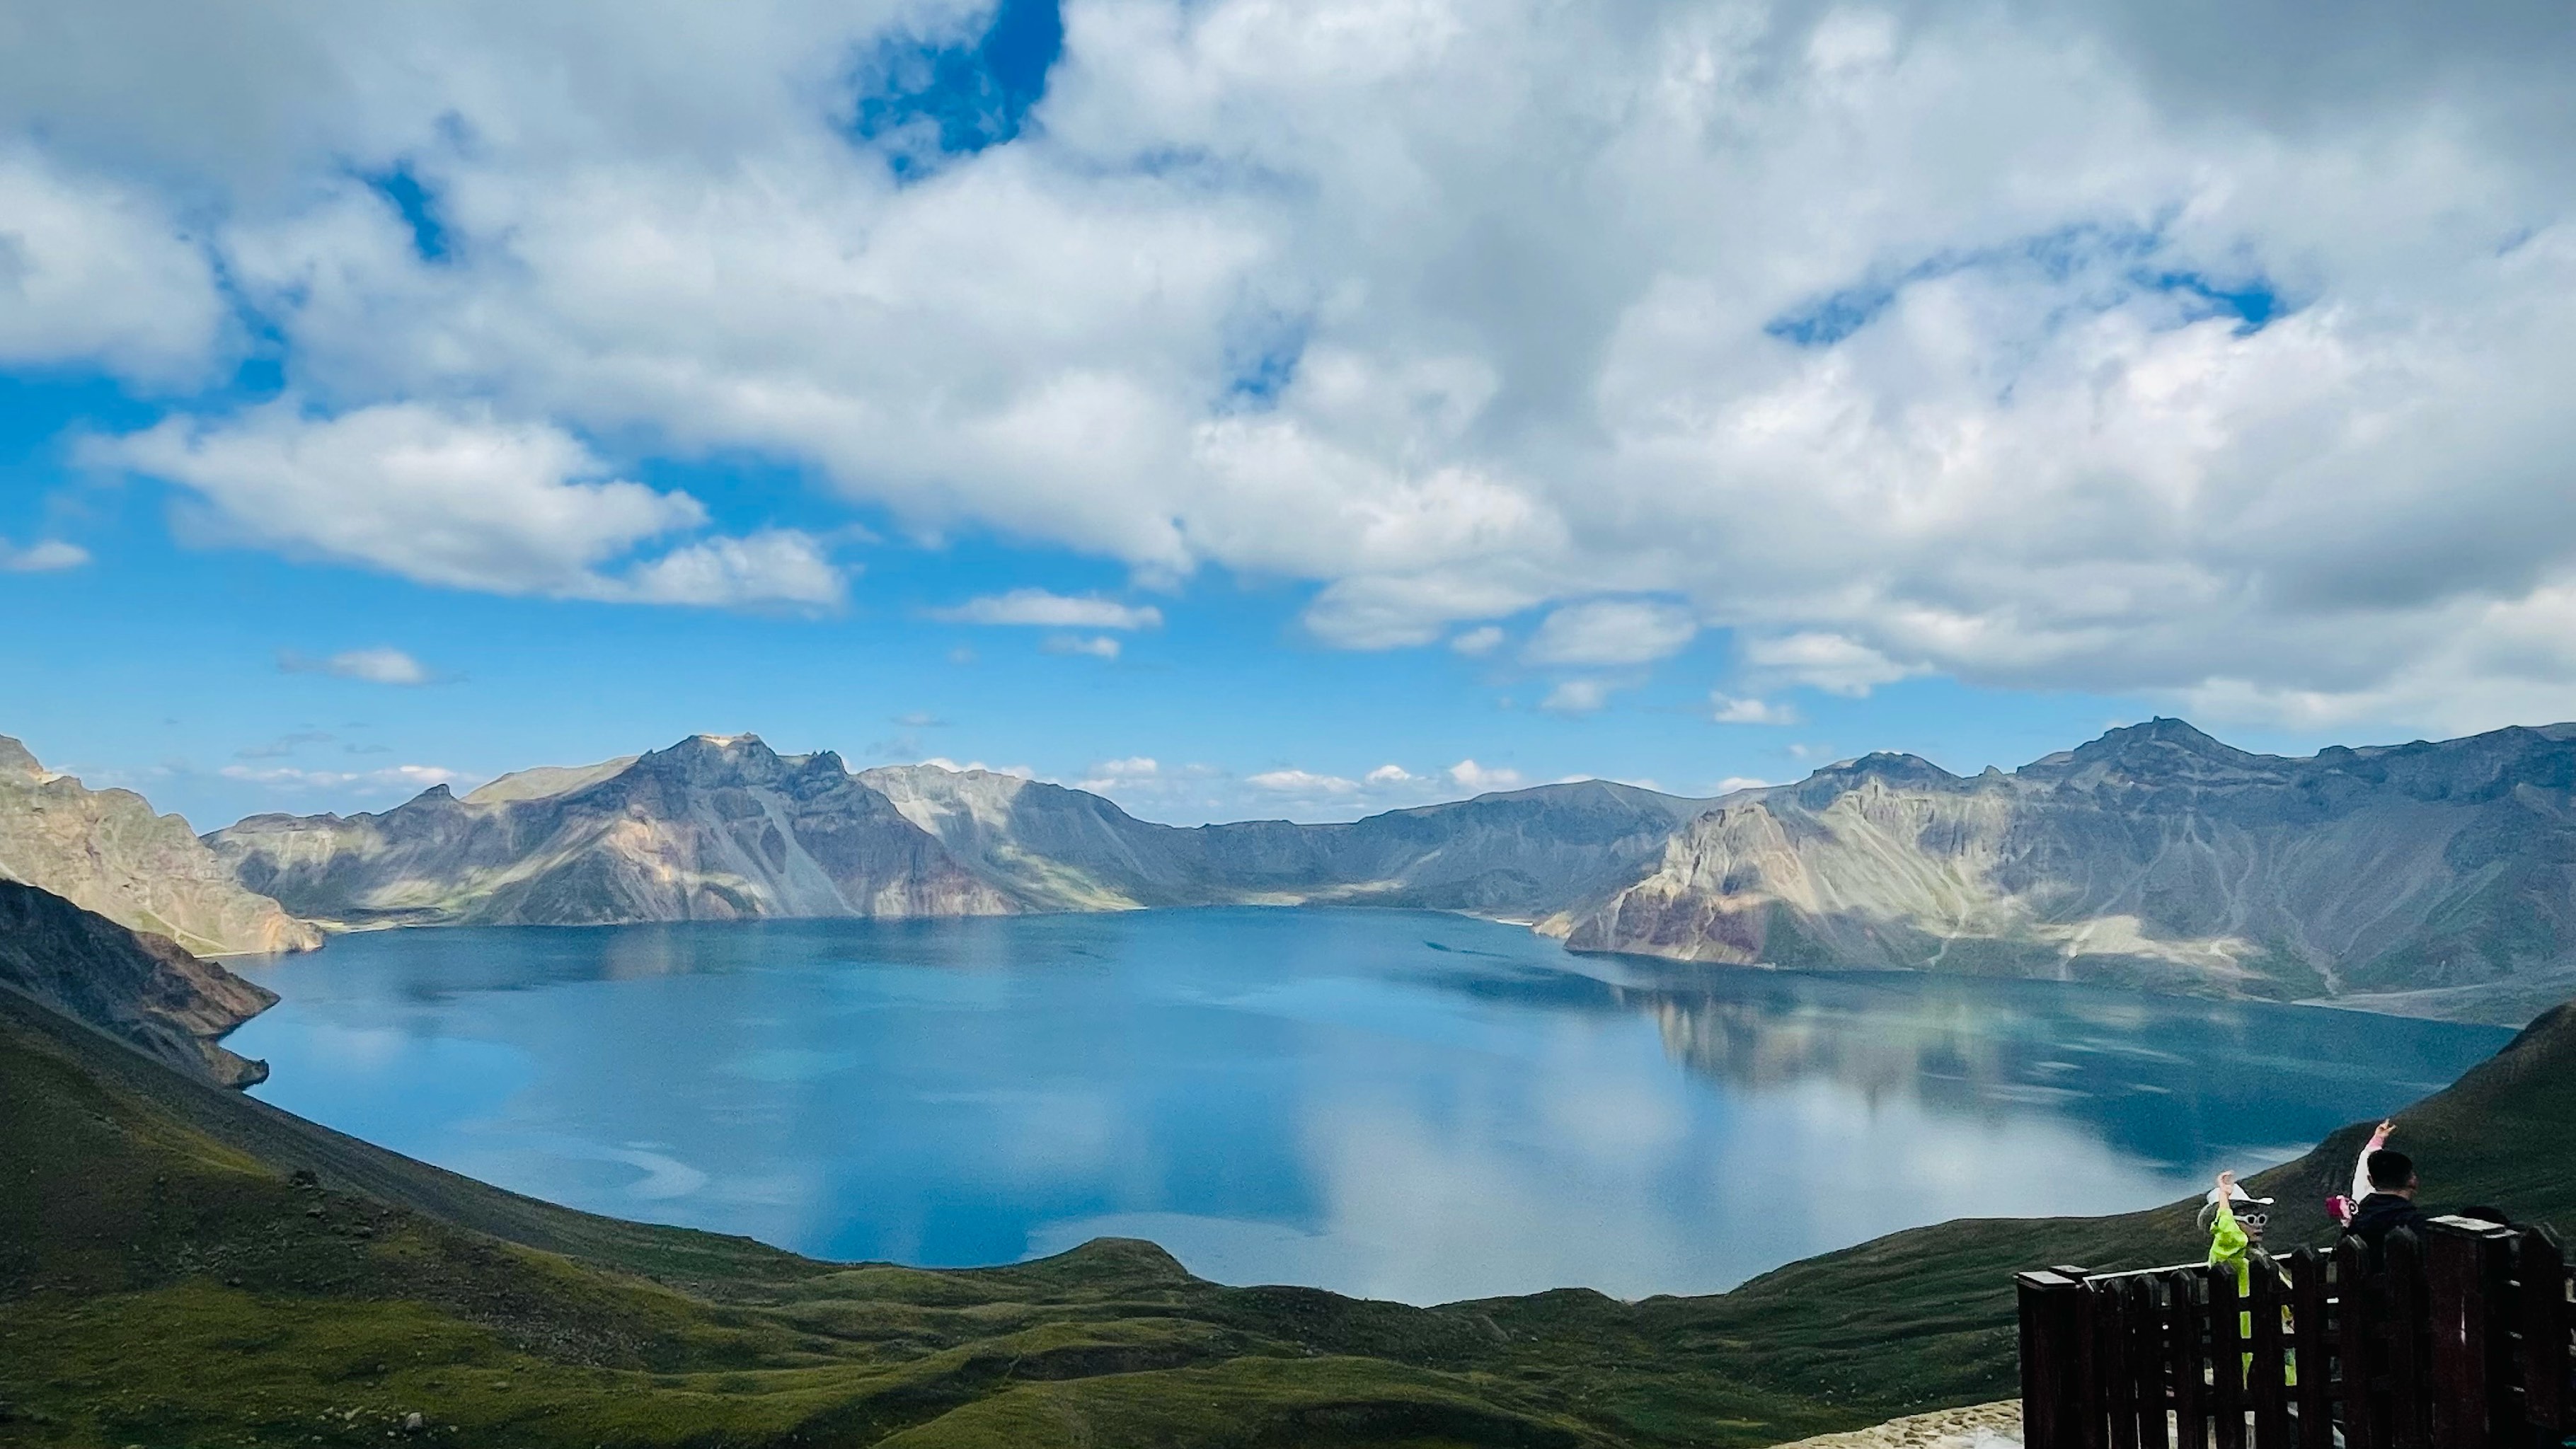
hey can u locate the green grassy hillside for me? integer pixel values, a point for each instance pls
(181, 1265)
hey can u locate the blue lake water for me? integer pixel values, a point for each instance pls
(1390, 1103)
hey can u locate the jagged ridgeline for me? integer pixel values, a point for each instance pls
(2429, 878)
(106, 850)
(718, 827)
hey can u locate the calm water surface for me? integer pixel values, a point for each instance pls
(1397, 1104)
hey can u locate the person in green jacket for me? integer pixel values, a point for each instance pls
(2236, 1240)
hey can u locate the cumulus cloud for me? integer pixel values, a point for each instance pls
(464, 500)
(1054, 611)
(375, 666)
(1834, 663)
(407, 779)
(1475, 779)
(1098, 646)
(1389, 775)
(1577, 696)
(1478, 642)
(1733, 783)
(1301, 782)
(45, 556)
(99, 271)
(1611, 631)
(2052, 350)
(1732, 709)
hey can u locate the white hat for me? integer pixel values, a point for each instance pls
(2236, 1193)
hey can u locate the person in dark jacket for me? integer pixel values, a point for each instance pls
(2390, 1206)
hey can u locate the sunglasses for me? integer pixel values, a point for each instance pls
(2253, 1220)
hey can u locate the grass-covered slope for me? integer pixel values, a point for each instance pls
(181, 1265)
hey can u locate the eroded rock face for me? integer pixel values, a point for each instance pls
(141, 988)
(720, 827)
(710, 829)
(2154, 856)
(106, 851)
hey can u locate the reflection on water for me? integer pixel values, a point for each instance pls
(1391, 1103)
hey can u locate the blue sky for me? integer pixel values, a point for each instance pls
(1218, 403)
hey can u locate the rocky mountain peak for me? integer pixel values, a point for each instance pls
(16, 760)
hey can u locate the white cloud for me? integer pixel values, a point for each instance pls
(1388, 775)
(376, 666)
(1830, 662)
(1733, 709)
(408, 779)
(918, 719)
(1932, 333)
(1099, 646)
(1300, 782)
(1733, 783)
(49, 555)
(1475, 779)
(1477, 642)
(1054, 611)
(1611, 631)
(93, 270)
(463, 500)
(773, 566)
(1577, 696)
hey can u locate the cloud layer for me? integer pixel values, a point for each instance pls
(2039, 347)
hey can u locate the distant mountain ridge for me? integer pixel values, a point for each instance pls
(107, 851)
(2432, 878)
(2153, 856)
(723, 827)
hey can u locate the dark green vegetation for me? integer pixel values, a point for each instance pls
(183, 1265)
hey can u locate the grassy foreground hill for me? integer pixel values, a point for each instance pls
(183, 1265)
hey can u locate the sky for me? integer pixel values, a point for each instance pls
(1255, 409)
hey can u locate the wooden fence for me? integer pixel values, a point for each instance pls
(2461, 1341)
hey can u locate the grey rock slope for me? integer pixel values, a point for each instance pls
(1526, 852)
(2154, 856)
(142, 989)
(107, 851)
(725, 827)
(2426, 878)
(713, 828)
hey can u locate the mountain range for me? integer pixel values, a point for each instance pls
(183, 1264)
(2429, 878)
(107, 850)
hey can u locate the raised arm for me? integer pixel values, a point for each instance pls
(2361, 1164)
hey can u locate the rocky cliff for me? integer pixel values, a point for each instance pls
(2430, 878)
(724, 827)
(713, 828)
(106, 851)
(141, 989)
(2154, 856)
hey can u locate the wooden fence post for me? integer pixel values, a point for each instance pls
(2050, 1383)
(2226, 1357)
(2113, 1348)
(2308, 1336)
(2544, 1324)
(2466, 1263)
(2409, 1416)
(2190, 1360)
(2265, 1376)
(2354, 1362)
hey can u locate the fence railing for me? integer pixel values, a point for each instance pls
(2460, 1340)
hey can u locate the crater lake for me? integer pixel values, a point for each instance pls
(1393, 1104)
